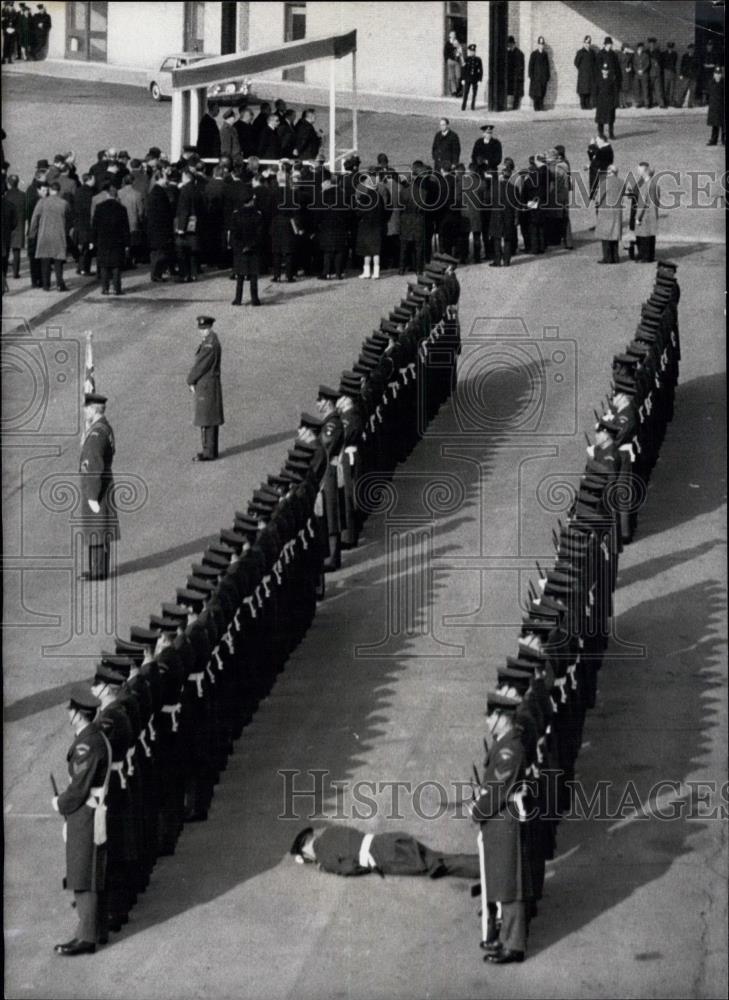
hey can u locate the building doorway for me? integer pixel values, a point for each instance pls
(456, 19)
(86, 31)
(294, 31)
(194, 28)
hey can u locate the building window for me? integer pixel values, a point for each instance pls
(294, 31)
(86, 31)
(456, 19)
(194, 28)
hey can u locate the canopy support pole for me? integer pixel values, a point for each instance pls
(355, 139)
(332, 113)
(178, 124)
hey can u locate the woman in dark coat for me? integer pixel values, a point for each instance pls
(160, 228)
(284, 227)
(189, 222)
(538, 74)
(331, 229)
(244, 237)
(369, 208)
(110, 236)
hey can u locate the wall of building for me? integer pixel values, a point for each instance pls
(565, 28)
(142, 34)
(57, 37)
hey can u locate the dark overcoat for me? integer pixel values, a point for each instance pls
(585, 65)
(82, 214)
(208, 138)
(508, 868)
(205, 377)
(715, 114)
(88, 762)
(308, 140)
(332, 222)
(369, 208)
(245, 240)
(97, 482)
(607, 98)
(515, 72)
(110, 233)
(538, 74)
(16, 198)
(160, 219)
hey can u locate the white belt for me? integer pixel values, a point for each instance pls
(365, 859)
(130, 760)
(118, 766)
(197, 679)
(249, 602)
(96, 802)
(145, 747)
(152, 733)
(172, 711)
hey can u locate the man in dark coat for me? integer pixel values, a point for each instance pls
(607, 97)
(244, 238)
(82, 806)
(9, 222)
(269, 142)
(99, 519)
(160, 227)
(655, 74)
(715, 116)
(538, 74)
(287, 134)
(446, 147)
(208, 134)
(502, 221)
(342, 850)
(487, 151)
(189, 224)
(9, 30)
(641, 68)
(607, 58)
(81, 222)
(308, 137)
(688, 75)
(496, 809)
(471, 76)
(41, 25)
(585, 65)
(110, 236)
(670, 72)
(514, 73)
(204, 383)
(245, 132)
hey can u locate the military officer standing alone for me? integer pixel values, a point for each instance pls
(99, 519)
(471, 75)
(204, 383)
(82, 806)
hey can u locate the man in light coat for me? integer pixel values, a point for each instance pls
(647, 197)
(49, 226)
(609, 204)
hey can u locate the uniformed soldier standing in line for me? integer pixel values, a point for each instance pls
(508, 882)
(204, 383)
(99, 519)
(82, 805)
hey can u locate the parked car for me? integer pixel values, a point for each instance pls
(159, 82)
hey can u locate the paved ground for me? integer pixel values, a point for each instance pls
(633, 909)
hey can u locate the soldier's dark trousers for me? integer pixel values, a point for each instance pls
(239, 282)
(418, 250)
(287, 260)
(159, 261)
(84, 259)
(513, 934)
(585, 102)
(16, 262)
(715, 135)
(646, 246)
(641, 84)
(209, 441)
(45, 265)
(502, 251)
(333, 263)
(110, 275)
(473, 87)
(91, 910)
